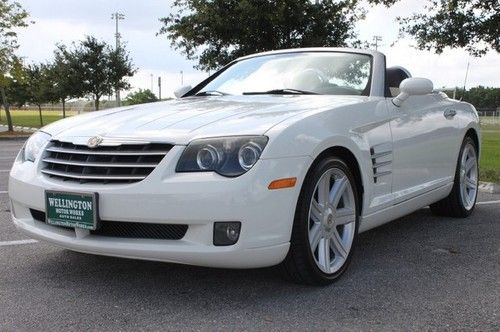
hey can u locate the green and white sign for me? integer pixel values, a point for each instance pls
(71, 209)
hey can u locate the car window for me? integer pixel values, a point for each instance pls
(317, 72)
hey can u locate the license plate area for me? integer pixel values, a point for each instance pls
(68, 209)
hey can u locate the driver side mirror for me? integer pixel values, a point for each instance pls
(182, 91)
(414, 86)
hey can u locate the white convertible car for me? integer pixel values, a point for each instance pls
(278, 158)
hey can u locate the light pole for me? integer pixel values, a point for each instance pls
(182, 78)
(159, 88)
(465, 80)
(376, 39)
(117, 16)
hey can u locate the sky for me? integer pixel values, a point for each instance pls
(65, 21)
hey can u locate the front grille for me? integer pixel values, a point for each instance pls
(124, 163)
(134, 230)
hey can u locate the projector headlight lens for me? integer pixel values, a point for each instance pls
(248, 155)
(227, 156)
(208, 157)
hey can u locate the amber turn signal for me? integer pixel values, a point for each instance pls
(282, 183)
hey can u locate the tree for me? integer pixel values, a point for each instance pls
(121, 66)
(141, 97)
(17, 89)
(39, 86)
(95, 69)
(63, 82)
(12, 17)
(470, 24)
(481, 97)
(223, 30)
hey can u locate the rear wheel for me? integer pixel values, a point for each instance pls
(462, 199)
(325, 226)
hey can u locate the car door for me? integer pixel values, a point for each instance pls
(424, 130)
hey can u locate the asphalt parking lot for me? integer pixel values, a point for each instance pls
(417, 273)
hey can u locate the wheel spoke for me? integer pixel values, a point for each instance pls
(314, 236)
(470, 183)
(316, 211)
(469, 164)
(464, 193)
(324, 254)
(324, 190)
(344, 216)
(338, 190)
(337, 245)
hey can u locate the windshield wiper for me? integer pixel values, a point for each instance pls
(211, 93)
(282, 92)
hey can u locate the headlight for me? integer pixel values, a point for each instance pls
(34, 145)
(228, 156)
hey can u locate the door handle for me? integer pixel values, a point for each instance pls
(449, 114)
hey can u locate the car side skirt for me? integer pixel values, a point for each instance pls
(403, 208)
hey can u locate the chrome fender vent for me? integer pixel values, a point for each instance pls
(381, 156)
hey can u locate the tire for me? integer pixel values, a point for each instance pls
(461, 202)
(332, 227)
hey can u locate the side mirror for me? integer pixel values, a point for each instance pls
(182, 91)
(414, 86)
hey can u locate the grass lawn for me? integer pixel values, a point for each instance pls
(490, 155)
(31, 118)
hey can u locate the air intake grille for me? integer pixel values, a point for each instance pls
(135, 230)
(141, 230)
(125, 163)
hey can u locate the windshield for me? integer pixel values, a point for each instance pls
(325, 73)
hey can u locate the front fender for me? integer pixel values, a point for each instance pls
(312, 134)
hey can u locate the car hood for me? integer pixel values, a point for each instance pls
(180, 121)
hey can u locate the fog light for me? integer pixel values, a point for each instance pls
(226, 233)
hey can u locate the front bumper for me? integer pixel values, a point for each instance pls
(195, 199)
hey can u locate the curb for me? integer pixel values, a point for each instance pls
(14, 138)
(26, 133)
(19, 128)
(489, 187)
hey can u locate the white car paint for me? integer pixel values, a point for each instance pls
(415, 145)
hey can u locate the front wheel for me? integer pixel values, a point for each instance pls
(325, 225)
(462, 199)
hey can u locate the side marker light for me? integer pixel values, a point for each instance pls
(282, 183)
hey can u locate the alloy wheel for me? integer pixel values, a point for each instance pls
(468, 176)
(332, 220)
